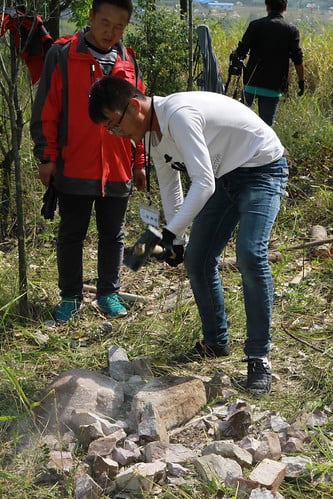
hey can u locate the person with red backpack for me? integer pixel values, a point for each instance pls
(88, 166)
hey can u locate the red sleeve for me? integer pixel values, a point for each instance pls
(139, 159)
(46, 109)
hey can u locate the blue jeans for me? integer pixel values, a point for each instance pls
(249, 197)
(266, 106)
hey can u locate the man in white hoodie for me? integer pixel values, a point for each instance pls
(238, 175)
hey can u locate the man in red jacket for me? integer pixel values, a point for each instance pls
(89, 166)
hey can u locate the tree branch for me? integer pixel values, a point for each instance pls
(306, 342)
(310, 244)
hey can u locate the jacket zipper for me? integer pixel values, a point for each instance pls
(92, 74)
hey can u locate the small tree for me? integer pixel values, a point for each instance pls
(12, 126)
(160, 40)
(15, 95)
(51, 12)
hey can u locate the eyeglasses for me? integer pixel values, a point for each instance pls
(115, 129)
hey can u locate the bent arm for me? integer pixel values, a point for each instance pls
(46, 110)
(193, 149)
(300, 71)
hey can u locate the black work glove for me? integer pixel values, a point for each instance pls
(301, 86)
(50, 199)
(177, 256)
(172, 255)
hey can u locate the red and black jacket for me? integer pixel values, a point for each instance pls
(89, 160)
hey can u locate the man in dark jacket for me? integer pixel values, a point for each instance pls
(89, 166)
(271, 41)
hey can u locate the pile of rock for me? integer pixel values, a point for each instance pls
(128, 427)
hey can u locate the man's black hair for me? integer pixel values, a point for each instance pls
(110, 92)
(122, 4)
(276, 5)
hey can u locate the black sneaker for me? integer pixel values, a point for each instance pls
(259, 376)
(202, 351)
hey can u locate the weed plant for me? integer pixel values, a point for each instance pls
(302, 353)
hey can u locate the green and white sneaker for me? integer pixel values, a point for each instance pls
(67, 308)
(111, 306)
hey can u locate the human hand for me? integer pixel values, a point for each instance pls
(46, 171)
(173, 255)
(139, 177)
(167, 240)
(177, 257)
(301, 86)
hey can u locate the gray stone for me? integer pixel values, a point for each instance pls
(41, 339)
(214, 467)
(60, 461)
(88, 433)
(250, 444)
(248, 489)
(78, 389)
(81, 417)
(106, 327)
(236, 426)
(264, 494)
(131, 445)
(269, 447)
(125, 457)
(292, 445)
(219, 411)
(120, 368)
(141, 476)
(237, 405)
(133, 386)
(245, 487)
(231, 450)
(278, 423)
(176, 399)
(316, 418)
(104, 464)
(169, 453)
(297, 431)
(51, 442)
(296, 466)
(87, 488)
(103, 446)
(269, 474)
(176, 469)
(151, 426)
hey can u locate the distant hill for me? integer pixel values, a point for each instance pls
(296, 4)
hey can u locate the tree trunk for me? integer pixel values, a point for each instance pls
(52, 24)
(5, 168)
(183, 8)
(16, 126)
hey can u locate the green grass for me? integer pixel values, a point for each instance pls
(302, 353)
(302, 350)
